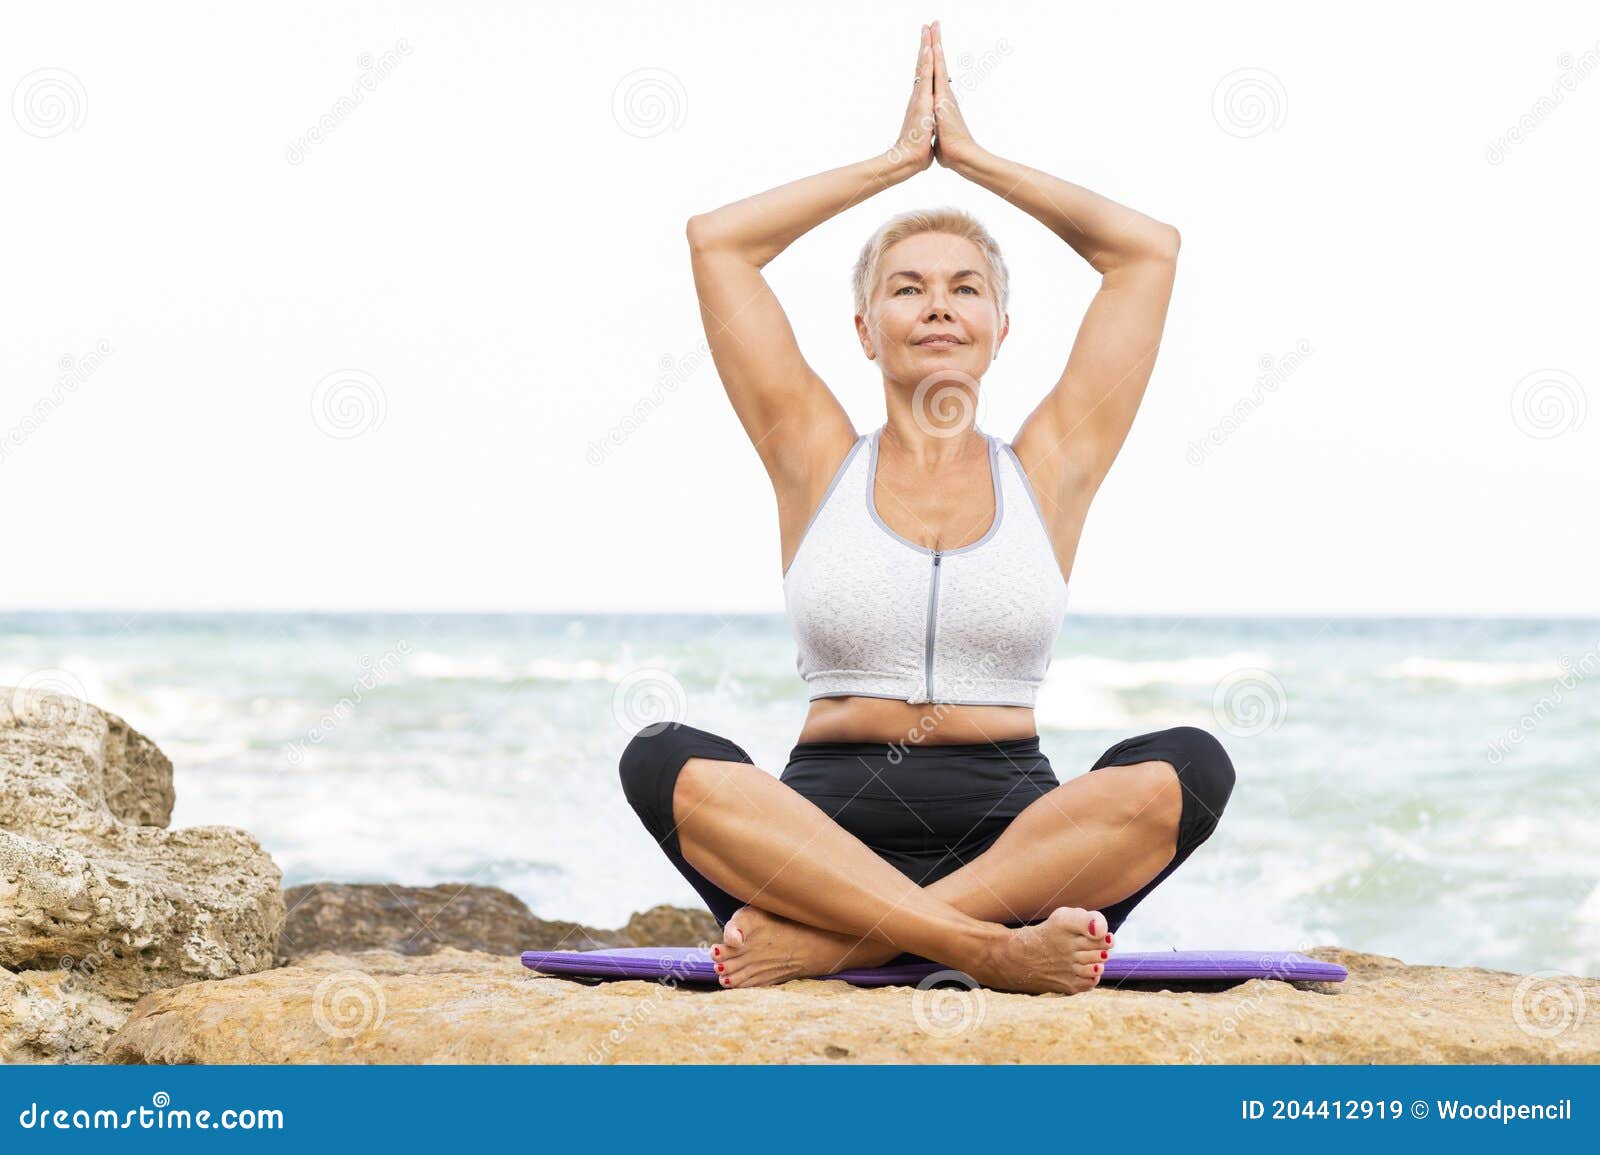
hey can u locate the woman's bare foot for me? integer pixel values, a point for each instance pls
(1064, 953)
(759, 948)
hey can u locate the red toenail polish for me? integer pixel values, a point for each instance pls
(716, 952)
(1091, 926)
(721, 968)
(1102, 954)
(1108, 938)
(1096, 968)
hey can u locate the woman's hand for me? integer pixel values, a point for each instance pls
(954, 146)
(914, 149)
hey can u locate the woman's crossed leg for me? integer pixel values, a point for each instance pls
(797, 894)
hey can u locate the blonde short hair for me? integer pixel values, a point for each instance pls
(956, 222)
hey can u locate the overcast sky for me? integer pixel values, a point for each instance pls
(346, 309)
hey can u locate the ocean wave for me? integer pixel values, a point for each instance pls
(429, 665)
(1125, 674)
(1467, 673)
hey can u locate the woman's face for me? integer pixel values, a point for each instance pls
(932, 284)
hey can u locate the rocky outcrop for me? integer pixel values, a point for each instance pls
(99, 903)
(417, 920)
(456, 1006)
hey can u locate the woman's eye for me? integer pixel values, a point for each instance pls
(903, 288)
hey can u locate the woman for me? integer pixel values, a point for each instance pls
(925, 576)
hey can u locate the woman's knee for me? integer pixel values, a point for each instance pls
(1206, 772)
(645, 765)
(653, 762)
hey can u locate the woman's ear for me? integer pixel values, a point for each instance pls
(864, 335)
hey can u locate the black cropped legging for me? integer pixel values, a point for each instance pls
(926, 810)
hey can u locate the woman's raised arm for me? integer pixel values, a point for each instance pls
(796, 424)
(1067, 444)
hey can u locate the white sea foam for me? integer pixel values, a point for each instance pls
(1090, 692)
(431, 665)
(1467, 673)
(1128, 674)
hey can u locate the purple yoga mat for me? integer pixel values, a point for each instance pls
(692, 964)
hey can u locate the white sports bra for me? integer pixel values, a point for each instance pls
(878, 616)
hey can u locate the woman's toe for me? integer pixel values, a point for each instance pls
(731, 945)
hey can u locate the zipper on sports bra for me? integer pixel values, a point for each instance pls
(933, 609)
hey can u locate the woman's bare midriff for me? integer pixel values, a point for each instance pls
(855, 719)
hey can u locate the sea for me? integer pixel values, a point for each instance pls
(1422, 788)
